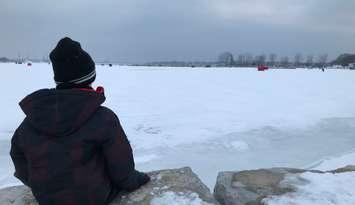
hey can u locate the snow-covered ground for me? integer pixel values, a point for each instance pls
(213, 119)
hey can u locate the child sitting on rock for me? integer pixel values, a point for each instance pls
(71, 150)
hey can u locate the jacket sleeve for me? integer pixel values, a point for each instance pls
(119, 158)
(19, 160)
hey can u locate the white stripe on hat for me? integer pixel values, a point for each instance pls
(81, 79)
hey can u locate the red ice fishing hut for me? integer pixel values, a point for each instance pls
(262, 68)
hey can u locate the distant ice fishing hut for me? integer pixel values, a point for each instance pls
(263, 68)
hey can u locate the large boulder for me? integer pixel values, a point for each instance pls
(178, 186)
(350, 168)
(252, 187)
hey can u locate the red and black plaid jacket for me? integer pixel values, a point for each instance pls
(70, 150)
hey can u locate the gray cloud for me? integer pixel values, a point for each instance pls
(147, 30)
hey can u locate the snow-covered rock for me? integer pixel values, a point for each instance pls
(318, 189)
(285, 186)
(18, 195)
(168, 187)
(276, 186)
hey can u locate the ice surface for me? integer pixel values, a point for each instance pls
(144, 158)
(213, 119)
(239, 145)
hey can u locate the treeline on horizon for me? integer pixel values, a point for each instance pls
(227, 59)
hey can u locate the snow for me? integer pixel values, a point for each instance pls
(319, 189)
(332, 163)
(171, 198)
(239, 145)
(177, 117)
(144, 158)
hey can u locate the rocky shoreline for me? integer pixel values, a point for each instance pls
(183, 187)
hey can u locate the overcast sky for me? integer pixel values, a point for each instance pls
(154, 30)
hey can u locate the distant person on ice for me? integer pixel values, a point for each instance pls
(69, 149)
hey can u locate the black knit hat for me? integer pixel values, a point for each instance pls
(72, 66)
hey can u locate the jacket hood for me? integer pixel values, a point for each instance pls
(61, 112)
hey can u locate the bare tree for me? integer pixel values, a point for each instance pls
(260, 60)
(272, 59)
(249, 59)
(310, 60)
(284, 61)
(322, 60)
(241, 60)
(226, 59)
(298, 59)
